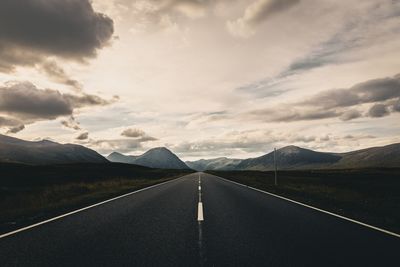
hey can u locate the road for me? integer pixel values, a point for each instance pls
(160, 227)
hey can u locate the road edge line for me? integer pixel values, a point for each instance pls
(85, 208)
(317, 209)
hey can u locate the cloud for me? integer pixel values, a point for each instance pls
(264, 88)
(136, 137)
(337, 103)
(350, 115)
(16, 129)
(133, 132)
(287, 113)
(366, 92)
(368, 27)
(105, 146)
(25, 103)
(7, 121)
(396, 105)
(57, 74)
(32, 30)
(140, 135)
(82, 136)
(256, 141)
(71, 123)
(256, 13)
(378, 110)
(153, 15)
(121, 145)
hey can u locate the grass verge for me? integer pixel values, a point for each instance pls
(29, 194)
(368, 195)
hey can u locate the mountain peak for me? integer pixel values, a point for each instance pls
(115, 153)
(290, 149)
(158, 157)
(160, 149)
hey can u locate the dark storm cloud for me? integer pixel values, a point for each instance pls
(26, 100)
(33, 29)
(26, 103)
(83, 136)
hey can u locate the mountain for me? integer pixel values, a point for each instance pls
(292, 157)
(159, 157)
(118, 157)
(45, 152)
(213, 164)
(384, 156)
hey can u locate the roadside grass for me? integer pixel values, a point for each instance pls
(368, 195)
(36, 193)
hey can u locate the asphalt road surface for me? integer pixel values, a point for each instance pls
(233, 226)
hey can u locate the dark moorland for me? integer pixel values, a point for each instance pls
(29, 194)
(369, 195)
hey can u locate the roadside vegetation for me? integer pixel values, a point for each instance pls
(368, 195)
(29, 194)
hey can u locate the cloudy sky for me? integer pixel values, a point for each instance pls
(204, 78)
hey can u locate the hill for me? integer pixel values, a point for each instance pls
(45, 152)
(159, 157)
(292, 157)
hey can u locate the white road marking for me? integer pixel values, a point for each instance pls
(85, 208)
(200, 216)
(317, 209)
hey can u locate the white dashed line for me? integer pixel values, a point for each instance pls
(200, 216)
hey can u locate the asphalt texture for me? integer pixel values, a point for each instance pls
(159, 227)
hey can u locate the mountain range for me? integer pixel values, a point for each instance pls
(213, 164)
(293, 157)
(14, 150)
(45, 152)
(159, 157)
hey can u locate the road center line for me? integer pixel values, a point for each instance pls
(200, 216)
